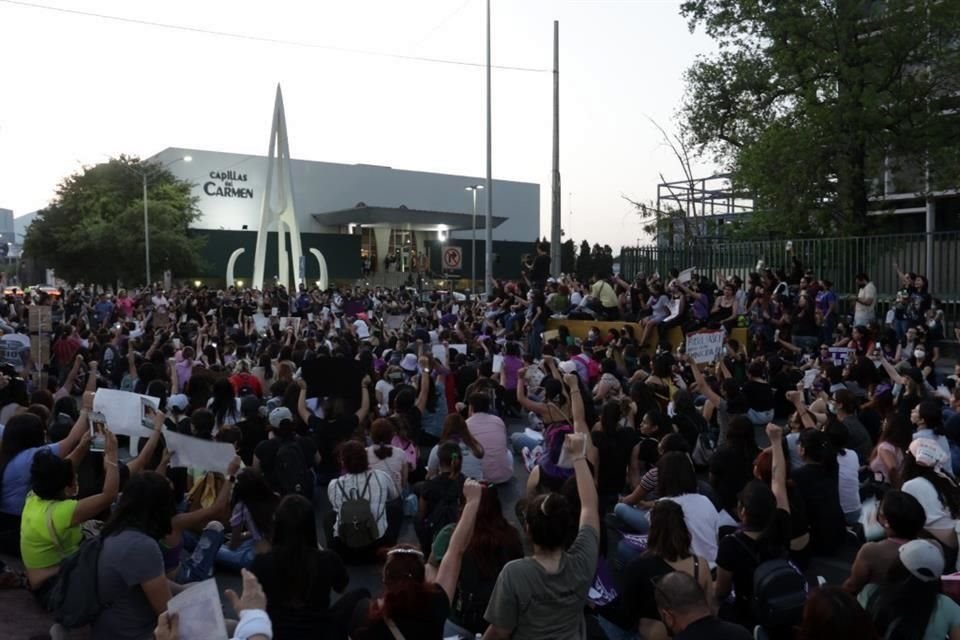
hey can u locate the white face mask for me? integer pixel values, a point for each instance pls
(919, 354)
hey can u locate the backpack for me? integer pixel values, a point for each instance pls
(291, 471)
(358, 527)
(74, 598)
(779, 592)
(447, 510)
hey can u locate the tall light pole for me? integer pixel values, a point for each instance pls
(146, 174)
(473, 240)
(488, 228)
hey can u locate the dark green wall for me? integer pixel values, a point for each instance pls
(342, 253)
(507, 256)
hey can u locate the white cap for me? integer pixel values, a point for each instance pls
(279, 415)
(178, 401)
(923, 559)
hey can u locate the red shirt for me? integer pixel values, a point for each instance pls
(240, 380)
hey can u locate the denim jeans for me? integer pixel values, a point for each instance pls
(239, 558)
(199, 564)
(636, 519)
(626, 552)
(535, 339)
(520, 440)
(615, 632)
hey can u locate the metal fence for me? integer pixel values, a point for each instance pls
(836, 259)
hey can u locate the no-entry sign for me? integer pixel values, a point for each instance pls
(452, 258)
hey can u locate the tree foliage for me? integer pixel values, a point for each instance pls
(93, 229)
(568, 256)
(807, 102)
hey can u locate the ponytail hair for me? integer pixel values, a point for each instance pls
(818, 449)
(449, 456)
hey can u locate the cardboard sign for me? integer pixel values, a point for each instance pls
(705, 346)
(195, 453)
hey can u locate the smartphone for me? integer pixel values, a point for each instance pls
(97, 439)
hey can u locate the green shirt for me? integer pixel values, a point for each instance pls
(36, 546)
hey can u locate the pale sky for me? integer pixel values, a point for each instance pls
(76, 89)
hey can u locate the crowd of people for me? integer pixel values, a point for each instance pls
(659, 496)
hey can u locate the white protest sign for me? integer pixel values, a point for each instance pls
(686, 275)
(14, 348)
(290, 323)
(261, 322)
(393, 322)
(195, 453)
(440, 353)
(705, 346)
(123, 411)
(809, 377)
(459, 348)
(497, 363)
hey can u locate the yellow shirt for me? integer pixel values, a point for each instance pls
(604, 291)
(36, 546)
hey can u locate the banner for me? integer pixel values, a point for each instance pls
(123, 411)
(195, 453)
(705, 346)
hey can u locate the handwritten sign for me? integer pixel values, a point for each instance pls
(705, 346)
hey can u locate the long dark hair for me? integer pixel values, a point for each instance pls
(903, 602)
(455, 430)
(406, 592)
(669, 537)
(760, 515)
(492, 535)
(832, 613)
(295, 549)
(817, 449)
(224, 400)
(23, 431)
(675, 475)
(256, 495)
(146, 504)
(381, 435)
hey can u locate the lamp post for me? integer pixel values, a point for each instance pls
(473, 240)
(145, 176)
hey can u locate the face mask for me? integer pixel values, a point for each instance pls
(919, 355)
(832, 406)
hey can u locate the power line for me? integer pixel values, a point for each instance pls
(265, 39)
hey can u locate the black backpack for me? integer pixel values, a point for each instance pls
(291, 470)
(358, 528)
(74, 598)
(447, 509)
(779, 592)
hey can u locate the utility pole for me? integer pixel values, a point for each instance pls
(488, 226)
(555, 216)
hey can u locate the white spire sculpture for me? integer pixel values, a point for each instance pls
(278, 206)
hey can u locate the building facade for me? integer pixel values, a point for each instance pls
(394, 220)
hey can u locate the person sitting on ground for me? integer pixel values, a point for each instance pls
(902, 519)
(563, 577)
(937, 492)
(251, 520)
(831, 613)
(910, 605)
(491, 433)
(471, 452)
(52, 516)
(411, 606)
(297, 577)
(668, 550)
(359, 482)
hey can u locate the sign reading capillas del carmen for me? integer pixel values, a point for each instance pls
(221, 185)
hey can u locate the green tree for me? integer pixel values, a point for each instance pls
(93, 229)
(807, 102)
(584, 262)
(568, 256)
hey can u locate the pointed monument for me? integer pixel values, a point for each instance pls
(277, 210)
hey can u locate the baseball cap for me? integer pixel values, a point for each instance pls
(178, 401)
(280, 415)
(927, 453)
(923, 559)
(568, 366)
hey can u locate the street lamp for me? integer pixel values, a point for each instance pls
(146, 175)
(473, 241)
